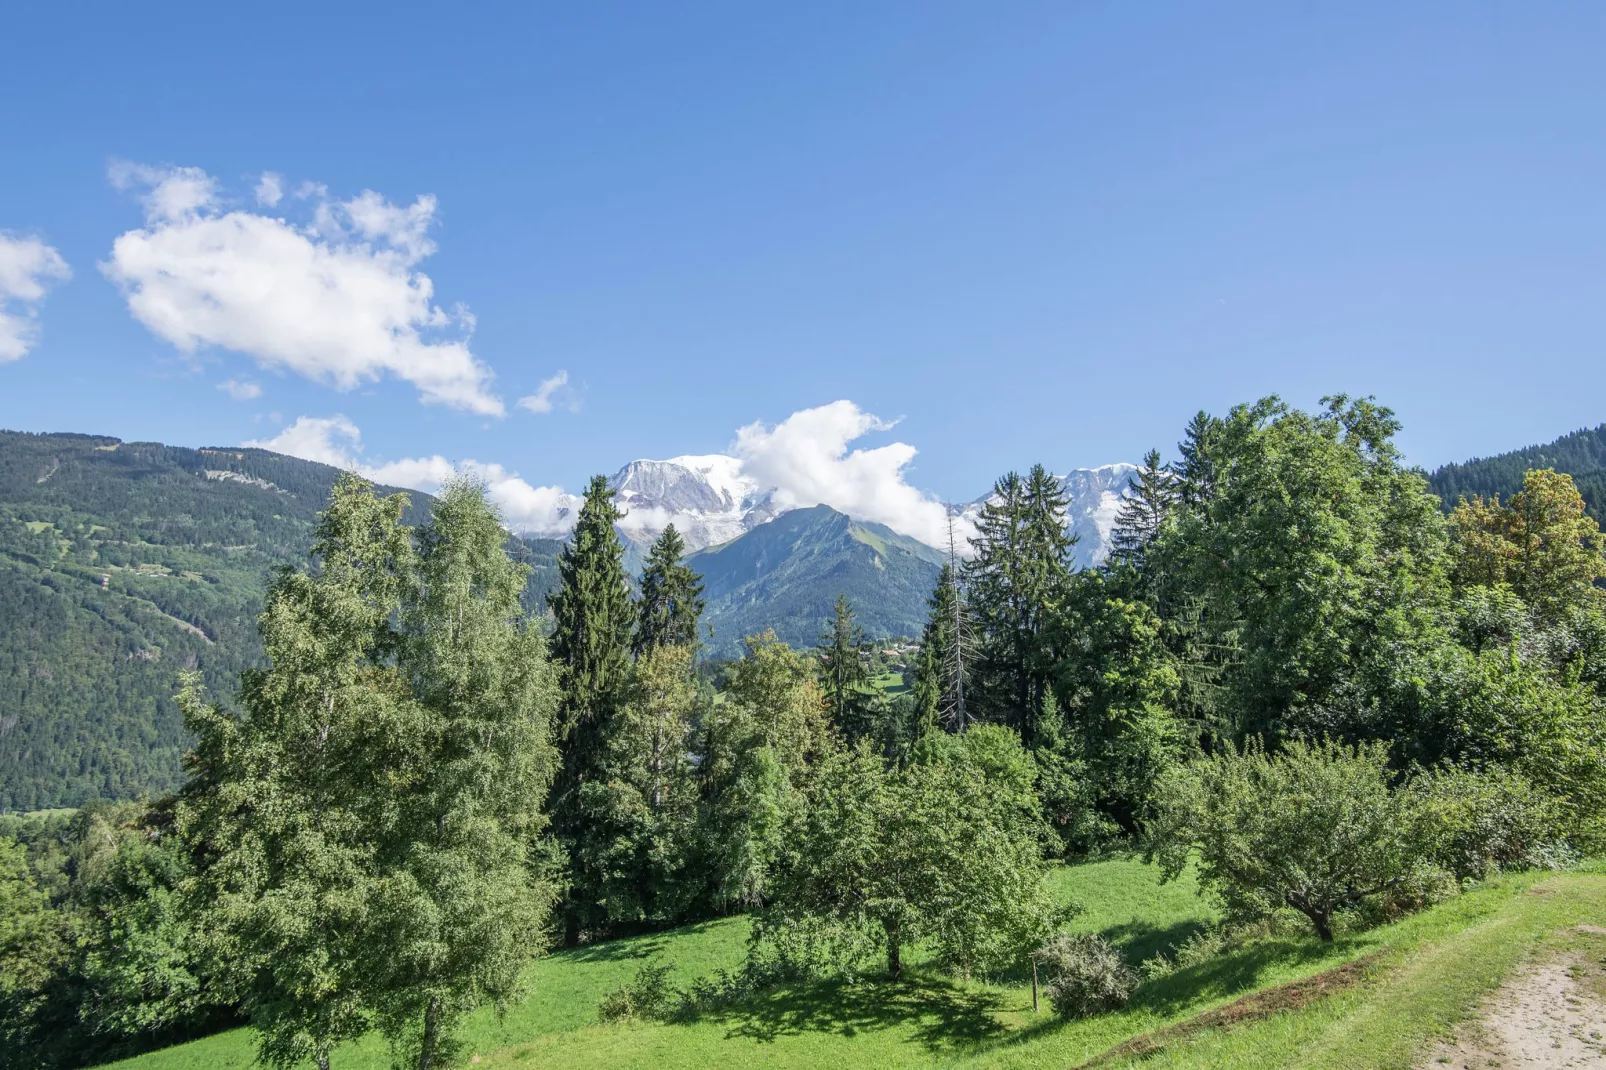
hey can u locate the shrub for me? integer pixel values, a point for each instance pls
(1086, 975)
(1483, 822)
(1316, 828)
(648, 994)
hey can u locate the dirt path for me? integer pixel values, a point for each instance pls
(1549, 1015)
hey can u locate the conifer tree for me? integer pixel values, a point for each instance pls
(843, 678)
(1196, 470)
(591, 646)
(642, 813)
(671, 596)
(1150, 496)
(1017, 576)
(942, 667)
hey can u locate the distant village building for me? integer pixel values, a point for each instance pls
(105, 581)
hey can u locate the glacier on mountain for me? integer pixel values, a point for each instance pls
(710, 500)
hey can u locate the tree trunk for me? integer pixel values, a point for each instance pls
(431, 1040)
(1324, 924)
(894, 961)
(323, 1059)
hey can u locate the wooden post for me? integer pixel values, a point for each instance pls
(1034, 984)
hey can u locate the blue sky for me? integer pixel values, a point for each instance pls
(1024, 231)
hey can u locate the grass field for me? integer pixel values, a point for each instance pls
(1370, 999)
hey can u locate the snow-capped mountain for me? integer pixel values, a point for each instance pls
(707, 498)
(710, 500)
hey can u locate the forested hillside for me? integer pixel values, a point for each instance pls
(122, 564)
(787, 573)
(1581, 455)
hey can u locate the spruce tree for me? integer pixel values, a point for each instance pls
(594, 620)
(843, 678)
(671, 597)
(1017, 576)
(642, 814)
(1149, 499)
(941, 667)
(1196, 470)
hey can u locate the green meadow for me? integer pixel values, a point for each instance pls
(1373, 998)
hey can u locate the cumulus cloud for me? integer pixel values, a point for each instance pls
(337, 298)
(270, 189)
(542, 399)
(335, 440)
(806, 459)
(240, 389)
(27, 267)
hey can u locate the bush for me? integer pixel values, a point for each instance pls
(1484, 822)
(1319, 829)
(647, 995)
(1086, 975)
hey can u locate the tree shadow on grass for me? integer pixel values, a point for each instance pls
(638, 946)
(1217, 980)
(1139, 940)
(945, 1016)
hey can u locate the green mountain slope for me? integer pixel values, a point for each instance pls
(122, 564)
(1581, 455)
(787, 573)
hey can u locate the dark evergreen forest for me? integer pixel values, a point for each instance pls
(1581, 455)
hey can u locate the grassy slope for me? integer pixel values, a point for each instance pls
(1428, 971)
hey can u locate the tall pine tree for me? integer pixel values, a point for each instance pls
(844, 680)
(671, 597)
(1017, 576)
(941, 668)
(591, 646)
(1149, 499)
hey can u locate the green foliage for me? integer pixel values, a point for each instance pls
(937, 851)
(1314, 559)
(591, 647)
(1144, 509)
(647, 995)
(1117, 685)
(641, 819)
(755, 749)
(1316, 828)
(188, 542)
(1085, 975)
(1541, 544)
(1485, 821)
(1581, 454)
(367, 829)
(671, 602)
(1016, 577)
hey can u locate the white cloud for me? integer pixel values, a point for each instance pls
(270, 189)
(336, 299)
(542, 399)
(803, 461)
(240, 389)
(328, 440)
(335, 440)
(806, 459)
(27, 266)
